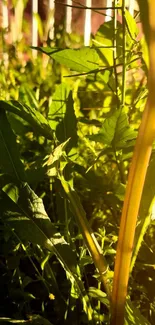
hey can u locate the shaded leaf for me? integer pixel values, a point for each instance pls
(27, 216)
(32, 116)
(9, 158)
(133, 315)
(33, 320)
(119, 191)
(18, 125)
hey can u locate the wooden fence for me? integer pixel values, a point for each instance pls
(52, 12)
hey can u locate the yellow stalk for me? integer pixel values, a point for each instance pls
(134, 189)
(88, 235)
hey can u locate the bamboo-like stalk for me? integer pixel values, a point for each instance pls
(134, 189)
(88, 236)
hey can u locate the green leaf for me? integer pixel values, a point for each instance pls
(54, 159)
(61, 115)
(34, 223)
(115, 131)
(9, 158)
(96, 293)
(81, 60)
(131, 25)
(32, 116)
(133, 315)
(33, 320)
(29, 97)
(103, 42)
(18, 125)
(119, 191)
(27, 216)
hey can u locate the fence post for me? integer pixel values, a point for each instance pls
(51, 19)
(108, 11)
(87, 24)
(131, 7)
(69, 17)
(34, 26)
(5, 26)
(19, 9)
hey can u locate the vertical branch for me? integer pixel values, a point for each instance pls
(88, 236)
(136, 179)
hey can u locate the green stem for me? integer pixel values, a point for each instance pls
(88, 235)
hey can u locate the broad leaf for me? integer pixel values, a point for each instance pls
(116, 131)
(18, 125)
(32, 223)
(80, 60)
(32, 116)
(25, 213)
(104, 43)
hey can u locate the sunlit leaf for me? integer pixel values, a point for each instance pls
(115, 131)
(80, 60)
(131, 25)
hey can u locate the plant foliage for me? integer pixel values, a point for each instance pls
(67, 135)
